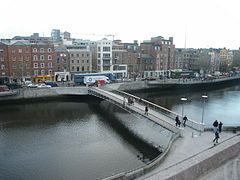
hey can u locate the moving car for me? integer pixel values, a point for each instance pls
(44, 86)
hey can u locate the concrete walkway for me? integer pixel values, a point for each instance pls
(183, 149)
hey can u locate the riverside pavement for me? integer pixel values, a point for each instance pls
(186, 147)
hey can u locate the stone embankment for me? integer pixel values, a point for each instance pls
(173, 84)
(29, 93)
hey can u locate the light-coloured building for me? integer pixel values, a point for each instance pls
(104, 56)
(80, 58)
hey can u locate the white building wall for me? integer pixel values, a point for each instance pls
(104, 56)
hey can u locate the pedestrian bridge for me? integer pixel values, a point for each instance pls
(156, 113)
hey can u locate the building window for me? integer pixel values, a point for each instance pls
(73, 68)
(35, 65)
(77, 55)
(49, 50)
(42, 57)
(41, 50)
(20, 50)
(42, 72)
(82, 61)
(1, 50)
(50, 72)
(1, 58)
(35, 57)
(99, 48)
(72, 61)
(77, 68)
(2, 66)
(106, 49)
(14, 58)
(34, 49)
(13, 50)
(82, 68)
(49, 57)
(82, 55)
(42, 65)
(14, 66)
(99, 55)
(78, 61)
(35, 72)
(49, 65)
(106, 55)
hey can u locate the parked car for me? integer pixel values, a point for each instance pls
(44, 86)
(32, 85)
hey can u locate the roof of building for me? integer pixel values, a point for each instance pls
(60, 49)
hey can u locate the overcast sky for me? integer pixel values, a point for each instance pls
(206, 23)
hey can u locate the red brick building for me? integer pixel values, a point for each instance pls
(4, 69)
(43, 58)
(19, 59)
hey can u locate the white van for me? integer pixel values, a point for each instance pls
(89, 80)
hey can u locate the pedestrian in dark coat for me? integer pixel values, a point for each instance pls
(216, 137)
(146, 110)
(177, 121)
(220, 127)
(215, 126)
(184, 120)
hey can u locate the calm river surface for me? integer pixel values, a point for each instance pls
(68, 139)
(73, 139)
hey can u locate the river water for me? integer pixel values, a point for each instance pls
(67, 139)
(73, 139)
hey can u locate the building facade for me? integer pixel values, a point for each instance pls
(104, 56)
(80, 58)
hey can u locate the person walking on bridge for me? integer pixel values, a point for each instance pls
(178, 123)
(220, 127)
(146, 110)
(184, 120)
(215, 126)
(215, 140)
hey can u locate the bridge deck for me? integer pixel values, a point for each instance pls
(155, 112)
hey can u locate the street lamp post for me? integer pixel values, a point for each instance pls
(204, 98)
(183, 99)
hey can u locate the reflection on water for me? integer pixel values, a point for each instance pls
(65, 140)
(222, 104)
